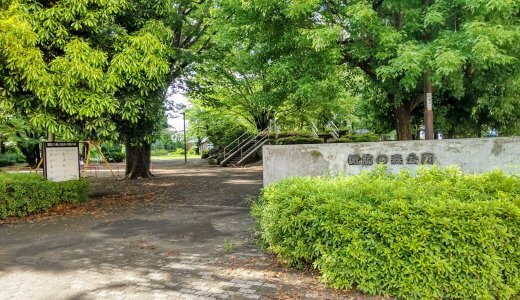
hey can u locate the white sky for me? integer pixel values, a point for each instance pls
(176, 121)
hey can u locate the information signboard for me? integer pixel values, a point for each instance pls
(62, 161)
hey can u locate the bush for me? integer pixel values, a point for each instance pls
(339, 140)
(9, 159)
(22, 194)
(113, 152)
(115, 157)
(160, 152)
(356, 138)
(441, 234)
(298, 140)
(281, 135)
(204, 154)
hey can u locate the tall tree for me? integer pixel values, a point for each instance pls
(268, 59)
(182, 24)
(96, 66)
(397, 43)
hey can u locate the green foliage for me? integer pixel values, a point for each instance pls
(269, 60)
(162, 152)
(466, 48)
(204, 154)
(10, 158)
(98, 68)
(218, 126)
(439, 235)
(356, 138)
(22, 194)
(292, 140)
(293, 137)
(229, 246)
(113, 152)
(286, 134)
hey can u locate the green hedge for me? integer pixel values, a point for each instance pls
(440, 234)
(9, 159)
(281, 135)
(356, 138)
(22, 194)
(297, 140)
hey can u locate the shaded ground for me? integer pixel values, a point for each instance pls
(185, 234)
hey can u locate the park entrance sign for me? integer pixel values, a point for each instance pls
(470, 155)
(61, 161)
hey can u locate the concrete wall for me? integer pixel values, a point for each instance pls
(471, 155)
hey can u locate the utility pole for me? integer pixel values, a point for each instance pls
(184, 133)
(428, 89)
(428, 106)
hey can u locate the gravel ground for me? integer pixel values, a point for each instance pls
(185, 234)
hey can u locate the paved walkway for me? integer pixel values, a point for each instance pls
(183, 235)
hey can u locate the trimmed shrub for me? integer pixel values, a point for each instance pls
(280, 135)
(439, 234)
(339, 140)
(298, 140)
(356, 138)
(22, 194)
(10, 158)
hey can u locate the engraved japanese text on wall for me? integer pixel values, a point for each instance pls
(426, 158)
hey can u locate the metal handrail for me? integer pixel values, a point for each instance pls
(253, 148)
(240, 147)
(314, 129)
(233, 142)
(335, 129)
(334, 126)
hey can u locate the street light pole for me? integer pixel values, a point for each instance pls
(184, 133)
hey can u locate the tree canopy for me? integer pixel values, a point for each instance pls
(102, 69)
(268, 60)
(96, 67)
(458, 45)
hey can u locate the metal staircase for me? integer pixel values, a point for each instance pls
(334, 131)
(236, 153)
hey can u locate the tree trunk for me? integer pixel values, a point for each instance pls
(262, 120)
(32, 154)
(138, 160)
(402, 122)
(199, 145)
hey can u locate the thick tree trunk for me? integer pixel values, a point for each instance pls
(32, 153)
(402, 115)
(138, 161)
(262, 120)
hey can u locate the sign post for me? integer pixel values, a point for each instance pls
(61, 161)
